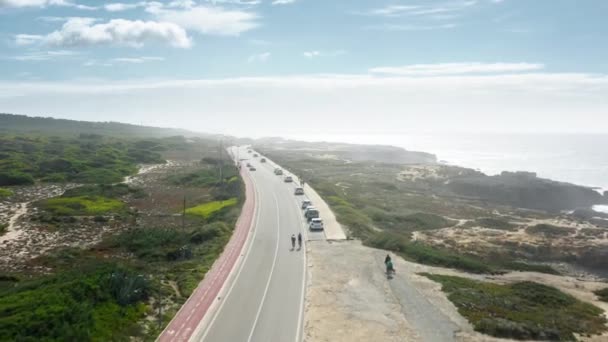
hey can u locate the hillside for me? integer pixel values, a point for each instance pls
(22, 124)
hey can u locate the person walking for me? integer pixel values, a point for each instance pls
(387, 259)
(293, 241)
(300, 240)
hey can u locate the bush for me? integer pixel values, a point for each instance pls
(524, 310)
(15, 178)
(602, 294)
(5, 193)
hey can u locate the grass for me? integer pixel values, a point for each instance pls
(207, 209)
(491, 222)
(3, 227)
(82, 206)
(100, 301)
(550, 230)
(5, 193)
(523, 310)
(602, 294)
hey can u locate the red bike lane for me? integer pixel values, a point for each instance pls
(186, 320)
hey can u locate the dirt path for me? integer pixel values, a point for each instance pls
(11, 233)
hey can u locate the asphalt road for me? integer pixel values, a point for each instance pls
(265, 301)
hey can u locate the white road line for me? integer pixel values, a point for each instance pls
(274, 262)
(255, 231)
(301, 313)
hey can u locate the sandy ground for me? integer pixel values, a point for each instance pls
(349, 298)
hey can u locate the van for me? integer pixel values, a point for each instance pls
(311, 213)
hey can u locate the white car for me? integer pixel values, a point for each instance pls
(316, 224)
(288, 179)
(306, 204)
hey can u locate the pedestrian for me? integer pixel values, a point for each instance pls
(387, 259)
(293, 241)
(300, 240)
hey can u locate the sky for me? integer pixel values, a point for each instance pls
(281, 67)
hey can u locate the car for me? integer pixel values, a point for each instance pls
(263, 160)
(278, 171)
(299, 191)
(255, 155)
(248, 164)
(311, 213)
(252, 168)
(306, 203)
(316, 224)
(288, 179)
(249, 151)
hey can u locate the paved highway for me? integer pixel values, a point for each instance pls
(265, 301)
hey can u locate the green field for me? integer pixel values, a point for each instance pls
(524, 310)
(5, 193)
(207, 209)
(82, 206)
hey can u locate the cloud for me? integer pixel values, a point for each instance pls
(405, 27)
(537, 102)
(209, 19)
(420, 10)
(43, 3)
(87, 32)
(137, 60)
(119, 6)
(44, 55)
(456, 68)
(317, 53)
(259, 57)
(283, 2)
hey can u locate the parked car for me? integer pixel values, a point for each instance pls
(299, 191)
(249, 151)
(255, 155)
(278, 171)
(306, 203)
(252, 168)
(263, 160)
(288, 179)
(311, 213)
(248, 164)
(316, 224)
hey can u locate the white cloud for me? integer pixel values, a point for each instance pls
(137, 60)
(420, 10)
(537, 102)
(135, 33)
(283, 2)
(406, 27)
(456, 68)
(259, 57)
(44, 55)
(43, 3)
(120, 6)
(317, 53)
(209, 19)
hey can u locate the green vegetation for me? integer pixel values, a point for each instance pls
(3, 227)
(207, 209)
(384, 213)
(105, 190)
(550, 230)
(602, 294)
(82, 206)
(5, 193)
(82, 159)
(524, 310)
(491, 222)
(98, 302)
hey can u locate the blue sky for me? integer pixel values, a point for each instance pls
(224, 65)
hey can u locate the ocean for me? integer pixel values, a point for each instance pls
(575, 158)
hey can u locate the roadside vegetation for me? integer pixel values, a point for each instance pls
(136, 254)
(375, 208)
(523, 310)
(5, 193)
(602, 294)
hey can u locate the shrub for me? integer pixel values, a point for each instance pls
(523, 310)
(15, 178)
(602, 294)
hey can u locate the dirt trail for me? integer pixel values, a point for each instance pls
(11, 233)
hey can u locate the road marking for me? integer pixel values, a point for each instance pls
(247, 253)
(274, 262)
